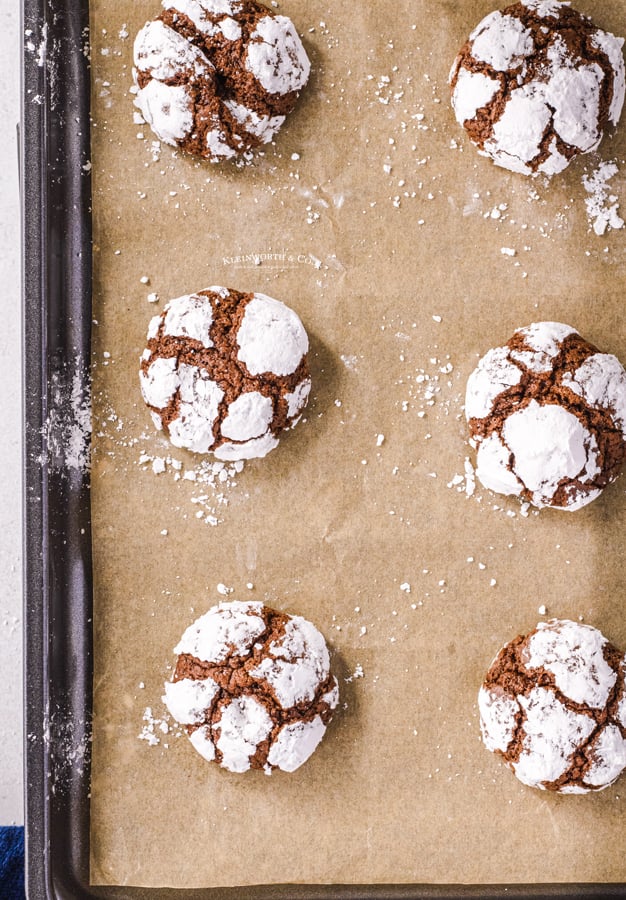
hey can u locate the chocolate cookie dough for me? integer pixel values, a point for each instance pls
(553, 705)
(547, 414)
(218, 77)
(537, 84)
(253, 687)
(226, 372)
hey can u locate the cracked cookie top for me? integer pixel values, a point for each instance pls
(553, 705)
(253, 687)
(226, 372)
(537, 84)
(547, 414)
(218, 77)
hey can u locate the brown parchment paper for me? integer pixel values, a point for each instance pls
(386, 220)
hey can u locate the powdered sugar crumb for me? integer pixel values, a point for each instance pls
(602, 205)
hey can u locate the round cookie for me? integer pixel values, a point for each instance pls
(253, 687)
(553, 705)
(218, 77)
(536, 85)
(547, 414)
(226, 372)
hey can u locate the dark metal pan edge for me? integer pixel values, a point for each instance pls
(56, 219)
(56, 272)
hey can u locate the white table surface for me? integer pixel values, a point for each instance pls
(11, 779)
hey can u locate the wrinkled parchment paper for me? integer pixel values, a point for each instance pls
(406, 255)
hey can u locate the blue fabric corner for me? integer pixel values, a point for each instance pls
(12, 863)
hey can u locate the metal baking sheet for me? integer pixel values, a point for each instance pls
(55, 153)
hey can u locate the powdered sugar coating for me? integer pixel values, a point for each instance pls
(613, 47)
(167, 109)
(547, 9)
(244, 725)
(548, 444)
(295, 744)
(621, 706)
(573, 652)
(498, 718)
(472, 91)
(296, 664)
(255, 448)
(164, 53)
(189, 316)
(188, 699)
(199, 399)
(271, 337)
(493, 467)
(217, 77)
(544, 341)
(534, 438)
(200, 11)
(248, 416)
(227, 627)
(550, 706)
(201, 741)
(234, 401)
(231, 29)
(263, 127)
(276, 56)
(552, 735)
(608, 756)
(501, 41)
(298, 399)
(551, 82)
(601, 382)
(493, 375)
(253, 687)
(160, 382)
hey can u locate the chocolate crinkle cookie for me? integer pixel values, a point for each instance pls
(253, 687)
(536, 85)
(553, 705)
(218, 77)
(226, 372)
(547, 414)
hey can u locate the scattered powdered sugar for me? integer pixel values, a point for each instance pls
(68, 428)
(214, 479)
(156, 728)
(602, 205)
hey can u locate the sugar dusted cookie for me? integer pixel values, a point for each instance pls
(217, 78)
(537, 84)
(547, 415)
(226, 372)
(553, 705)
(253, 687)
